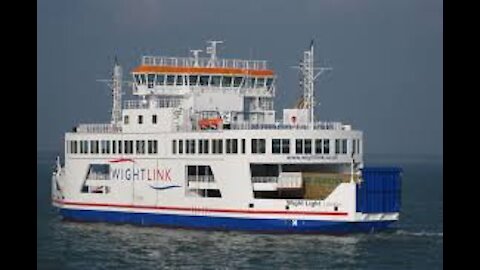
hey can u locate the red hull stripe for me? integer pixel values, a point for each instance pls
(122, 160)
(197, 210)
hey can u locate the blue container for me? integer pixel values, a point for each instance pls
(380, 190)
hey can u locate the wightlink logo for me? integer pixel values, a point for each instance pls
(141, 174)
(160, 178)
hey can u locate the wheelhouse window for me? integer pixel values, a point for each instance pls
(251, 82)
(237, 81)
(269, 82)
(160, 79)
(337, 146)
(193, 79)
(179, 80)
(243, 146)
(226, 81)
(215, 81)
(204, 80)
(137, 78)
(174, 146)
(151, 80)
(142, 79)
(140, 119)
(154, 119)
(125, 120)
(170, 79)
(260, 82)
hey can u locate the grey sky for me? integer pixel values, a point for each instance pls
(387, 58)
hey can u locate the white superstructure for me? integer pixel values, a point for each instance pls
(202, 147)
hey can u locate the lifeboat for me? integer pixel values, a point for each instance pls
(210, 123)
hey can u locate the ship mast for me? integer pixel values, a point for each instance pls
(116, 85)
(117, 94)
(307, 69)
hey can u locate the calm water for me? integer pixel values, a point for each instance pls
(416, 242)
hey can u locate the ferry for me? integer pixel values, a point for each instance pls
(202, 147)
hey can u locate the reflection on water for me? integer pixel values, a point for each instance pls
(127, 245)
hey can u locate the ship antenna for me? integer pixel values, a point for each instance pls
(307, 69)
(195, 55)
(212, 50)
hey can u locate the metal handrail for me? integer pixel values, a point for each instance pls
(157, 103)
(97, 128)
(203, 62)
(317, 126)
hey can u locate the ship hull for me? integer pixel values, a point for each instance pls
(204, 222)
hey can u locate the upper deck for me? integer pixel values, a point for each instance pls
(202, 65)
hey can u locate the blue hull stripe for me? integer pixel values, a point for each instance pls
(224, 223)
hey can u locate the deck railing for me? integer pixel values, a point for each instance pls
(157, 103)
(264, 179)
(97, 128)
(317, 126)
(203, 62)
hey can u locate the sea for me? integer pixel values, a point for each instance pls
(414, 242)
